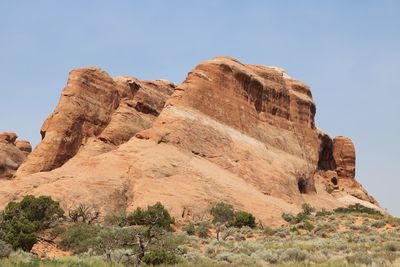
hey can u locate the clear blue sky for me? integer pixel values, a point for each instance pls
(347, 51)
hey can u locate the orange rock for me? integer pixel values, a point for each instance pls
(344, 155)
(12, 153)
(8, 137)
(239, 133)
(24, 146)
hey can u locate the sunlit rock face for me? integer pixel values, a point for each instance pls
(233, 132)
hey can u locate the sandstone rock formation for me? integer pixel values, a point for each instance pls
(344, 155)
(12, 153)
(95, 105)
(239, 133)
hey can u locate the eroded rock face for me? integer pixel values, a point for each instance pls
(344, 155)
(238, 133)
(95, 105)
(12, 153)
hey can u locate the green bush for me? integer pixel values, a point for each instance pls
(301, 217)
(294, 254)
(222, 213)
(243, 218)
(189, 229)
(21, 221)
(155, 215)
(323, 213)
(378, 224)
(290, 218)
(159, 256)
(80, 237)
(307, 209)
(202, 229)
(308, 225)
(117, 219)
(268, 231)
(358, 208)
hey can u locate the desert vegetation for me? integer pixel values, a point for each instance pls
(352, 236)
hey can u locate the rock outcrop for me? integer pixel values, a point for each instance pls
(344, 155)
(12, 153)
(239, 133)
(95, 105)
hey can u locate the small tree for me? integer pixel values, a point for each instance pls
(21, 221)
(222, 213)
(202, 229)
(155, 215)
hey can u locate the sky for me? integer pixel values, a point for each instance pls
(348, 52)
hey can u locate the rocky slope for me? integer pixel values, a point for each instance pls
(239, 133)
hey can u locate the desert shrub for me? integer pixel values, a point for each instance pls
(57, 231)
(266, 255)
(323, 212)
(290, 218)
(358, 208)
(392, 246)
(189, 229)
(294, 254)
(243, 218)
(268, 231)
(282, 232)
(300, 217)
(202, 229)
(155, 215)
(159, 256)
(5, 249)
(210, 250)
(20, 258)
(307, 209)
(117, 219)
(307, 225)
(21, 221)
(394, 221)
(378, 224)
(222, 213)
(80, 237)
(359, 258)
(225, 256)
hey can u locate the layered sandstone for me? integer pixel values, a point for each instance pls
(95, 105)
(239, 133)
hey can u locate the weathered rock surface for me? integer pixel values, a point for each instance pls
(12, 153)
(25, 146)
(239, 133)
(95, 105)
(344, 155)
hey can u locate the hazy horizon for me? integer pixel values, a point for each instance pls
(347, 52)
